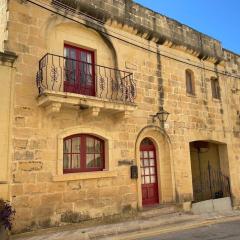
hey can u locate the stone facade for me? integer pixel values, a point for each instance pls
(158, 51)
(3, 23)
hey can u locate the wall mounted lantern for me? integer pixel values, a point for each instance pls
(162, 116)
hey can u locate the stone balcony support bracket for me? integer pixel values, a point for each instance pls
(53, 108)
(92, 112)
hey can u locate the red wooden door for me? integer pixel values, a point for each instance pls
(149, 173)
(79, 69)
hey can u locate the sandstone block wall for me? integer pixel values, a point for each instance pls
(42, 197)
(3, 23)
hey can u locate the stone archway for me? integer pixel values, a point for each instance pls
(164, 166)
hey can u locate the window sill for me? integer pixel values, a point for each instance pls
(85, 175)
(191, 95)
(216, 99)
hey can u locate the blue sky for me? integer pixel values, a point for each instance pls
(219, 19)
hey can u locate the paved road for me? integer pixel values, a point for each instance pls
(221, 231)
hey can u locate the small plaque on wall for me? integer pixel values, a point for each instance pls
(125, 162)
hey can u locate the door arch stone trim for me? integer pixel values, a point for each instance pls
(165, 163)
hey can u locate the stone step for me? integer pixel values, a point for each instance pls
(158, 211)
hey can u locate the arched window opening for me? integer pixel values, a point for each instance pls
(83, 153)
(190, 86)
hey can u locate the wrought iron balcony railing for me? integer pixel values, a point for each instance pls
(62, 74)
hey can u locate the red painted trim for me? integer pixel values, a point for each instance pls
(77, 88)
(83, 154)
(149, 188)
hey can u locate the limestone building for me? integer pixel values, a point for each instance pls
(85, 91)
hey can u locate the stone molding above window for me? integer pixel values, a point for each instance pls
(109, 170)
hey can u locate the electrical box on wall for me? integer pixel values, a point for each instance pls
(134, 172)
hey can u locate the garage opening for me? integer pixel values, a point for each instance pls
(210, 170)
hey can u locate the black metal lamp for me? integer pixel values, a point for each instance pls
(162, 116)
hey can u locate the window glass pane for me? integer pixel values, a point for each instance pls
(90, 144)
(98, 146)
(145, 154)
(147, 179)
(83, 67)
(83, 56)
(73, 65)
(151, 154)
(142, 171)
(66, 161)
(89, 57)
(145, 162)
(76, 145)
(98, 160)
(89, 79)
(146, 171)
(70, 65)
(90, 160)
(66, 52)
(67, 146)
(152, 163)
(153, 179)
(143, 180)
(152, 170)
(75, 160)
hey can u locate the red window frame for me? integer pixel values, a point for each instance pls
(82, 155)
(80, 70)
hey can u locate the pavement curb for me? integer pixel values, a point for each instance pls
(132, 230)
(156, 231)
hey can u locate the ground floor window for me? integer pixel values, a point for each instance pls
(83, 153)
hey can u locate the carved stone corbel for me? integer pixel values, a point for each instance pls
(53, 108)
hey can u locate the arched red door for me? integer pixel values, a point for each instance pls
(149, 173)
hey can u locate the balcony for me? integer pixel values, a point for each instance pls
(67, 83)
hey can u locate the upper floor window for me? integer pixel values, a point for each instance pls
(215, 88)
(83, 153)
(79, 71)
(190, 86)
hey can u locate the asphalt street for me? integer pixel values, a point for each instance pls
(221, 231)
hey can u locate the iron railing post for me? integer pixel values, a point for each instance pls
(210, 180)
